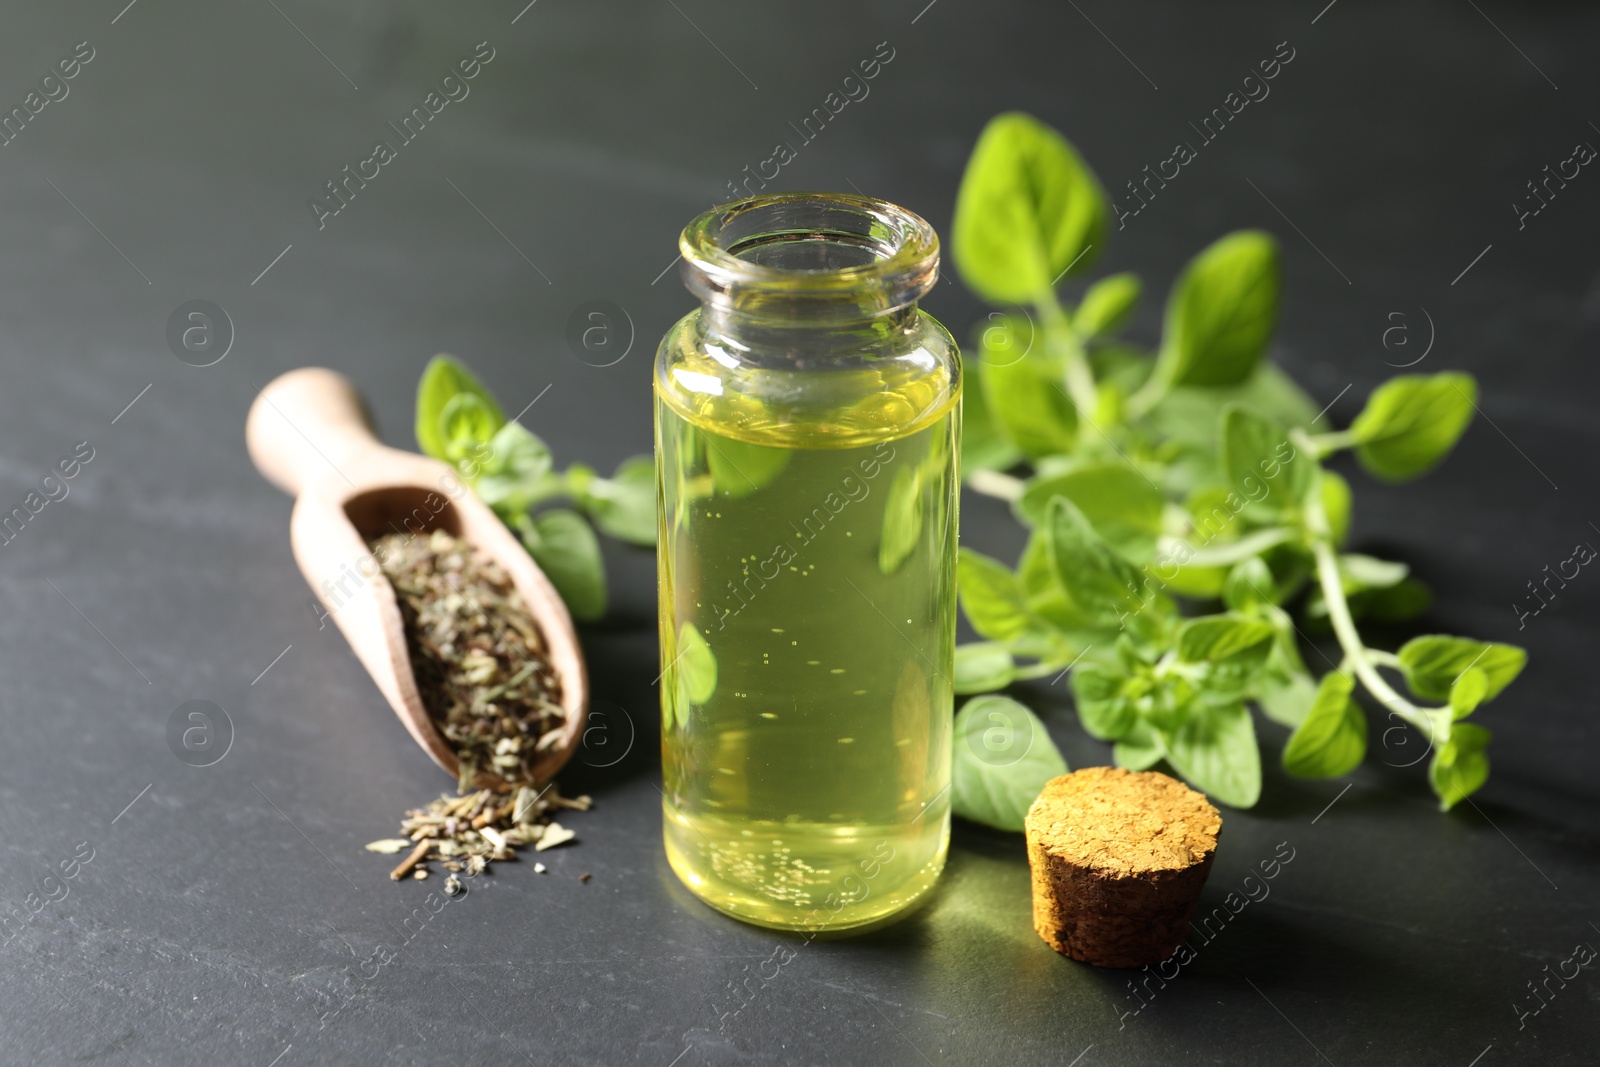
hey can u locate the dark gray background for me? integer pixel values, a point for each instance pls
(225, 915)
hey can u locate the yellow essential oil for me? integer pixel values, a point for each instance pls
(807, 423)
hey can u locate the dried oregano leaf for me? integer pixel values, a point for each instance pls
(390, 845)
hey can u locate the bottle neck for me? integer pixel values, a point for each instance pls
(798, 343)
(808, 279)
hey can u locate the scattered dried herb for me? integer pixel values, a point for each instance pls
(481, 668)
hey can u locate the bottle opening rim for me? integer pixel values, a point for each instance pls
(861, 247)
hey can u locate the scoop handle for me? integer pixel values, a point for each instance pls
(305, 425)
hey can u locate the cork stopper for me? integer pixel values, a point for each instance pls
(1118, 859)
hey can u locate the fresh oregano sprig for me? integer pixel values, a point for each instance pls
(512, 471)
(1179, 507)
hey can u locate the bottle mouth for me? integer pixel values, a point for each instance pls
(818, 256)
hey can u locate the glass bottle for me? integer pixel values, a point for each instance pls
(807, 429)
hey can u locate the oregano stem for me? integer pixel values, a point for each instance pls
(1063, 341)
(1360, 659)
(1152, 392)
(1356, 653)
(1242, 549)
(995, 484)
(1324, 444)
(1038, 670)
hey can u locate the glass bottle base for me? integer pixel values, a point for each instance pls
(807, 877)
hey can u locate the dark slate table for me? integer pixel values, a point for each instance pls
(227, 914)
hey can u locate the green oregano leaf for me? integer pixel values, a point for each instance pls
(565, 547)
(740, 468)
(1123, 505)
(1027, 210)
(1412, 422)
(1188, 413)
(1221, 312)
(623, 505)
(1461, 765)
(1140, 750)
(442, 380)
(513, 470)
(991, 596)
(1046, 599)
(467, 422)
(1106, 305)
(1214, 638)
(1095, 576)
(1336, 504)
(1332, 741)
(1250, 585)
(1285, 693)
(1470, 689)
(1260, 462)
(983, 446)
(1003, 758)
(1105, 713)
(1028, 408)
(697, 664)
(903, 509)
(1432, 664)
(1232, 650)
(982, 667)
(1214, 748)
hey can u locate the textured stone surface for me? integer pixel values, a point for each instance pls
(210, 929)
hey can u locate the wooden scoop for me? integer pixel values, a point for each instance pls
(309, 435)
